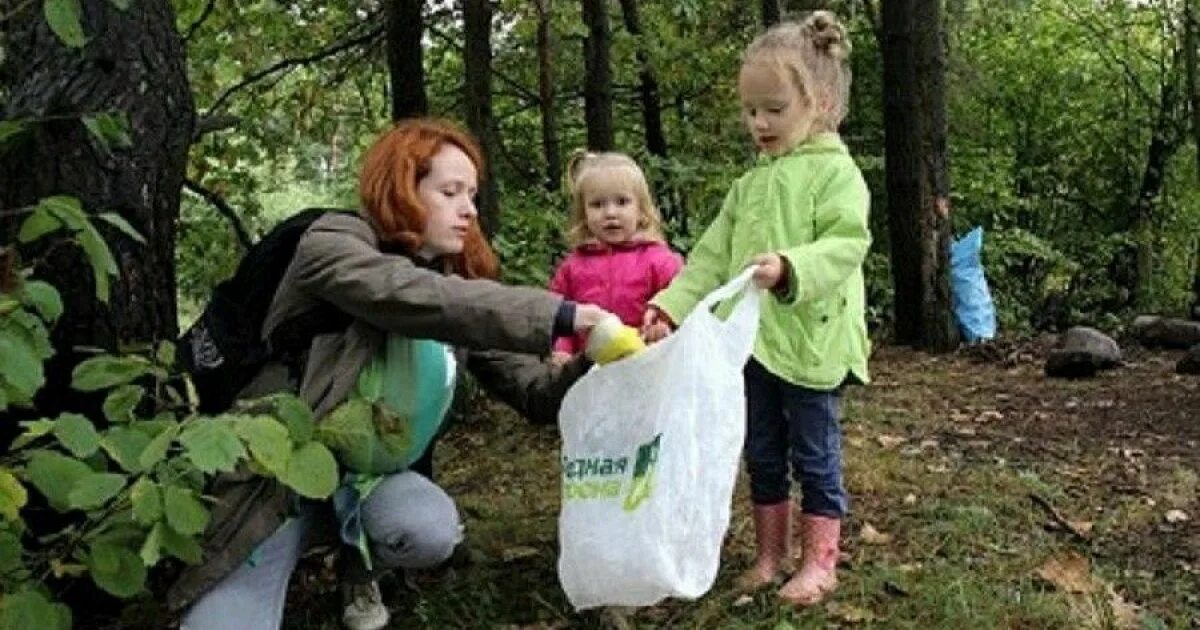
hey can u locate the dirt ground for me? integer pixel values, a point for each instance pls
(1113, 462)
(1129, 436)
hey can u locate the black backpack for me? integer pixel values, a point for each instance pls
(224, 349)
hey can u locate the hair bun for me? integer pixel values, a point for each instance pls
(827, 34)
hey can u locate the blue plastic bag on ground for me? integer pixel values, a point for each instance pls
(973, 306)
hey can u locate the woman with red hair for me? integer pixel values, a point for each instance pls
(417, 277)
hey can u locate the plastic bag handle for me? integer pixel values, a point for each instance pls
(738, 284)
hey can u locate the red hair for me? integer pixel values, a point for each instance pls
(387, 188)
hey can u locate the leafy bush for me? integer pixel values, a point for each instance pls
(130, 483)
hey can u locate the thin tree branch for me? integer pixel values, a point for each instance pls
(210, 124)
(195, 26)
(522, 91)
(224, 209)
(1101, 39)
(293, 62)
(16, 11)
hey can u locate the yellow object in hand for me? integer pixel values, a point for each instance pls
(611, 340)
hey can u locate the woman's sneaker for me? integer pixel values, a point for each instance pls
(364, 607)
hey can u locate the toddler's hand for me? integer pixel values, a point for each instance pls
(656, 325)
(769, 270)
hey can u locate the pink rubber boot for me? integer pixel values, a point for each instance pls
(818, 570)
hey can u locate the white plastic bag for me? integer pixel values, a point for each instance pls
(649, 459)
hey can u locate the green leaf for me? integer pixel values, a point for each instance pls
(39, 224)
(101, 259)
(10, 552)
(26, 326)
(34, 429)
(13, 496)
(185, 513)
(125, 446)
(183, 547)
(268, 442)
(164, 355)
(55, 475)
(147, 501)
(10, 128)
(95, 490)
(312, 471)
(116, 569)
(106, 371)
(348, 426)
(297, 416)
(21, 366)
(67, 209)
(110, 128)
(77, 434)
(212, 445)
(156, 450)
(63, 18)
(121, 4)
(120, 223)
(120, 402)
(151, 549)
(44, 298)
(31, 609)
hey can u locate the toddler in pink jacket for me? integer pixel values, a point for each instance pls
(618, 259)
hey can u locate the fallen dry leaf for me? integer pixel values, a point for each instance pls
(872, 536)
(850, 613)
(742, 601)
(517, 553)
(1070, 572)
(1177, 516)
(890, 441)
(1083, 529)
(989, 416)
(910, 499)
(1125, 614)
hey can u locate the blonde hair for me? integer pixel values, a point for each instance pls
(815, 52)
(583, 166)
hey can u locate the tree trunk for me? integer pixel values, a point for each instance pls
(598, 88)
(917, 182)
(545, 55)
(771, 12)
(1163, 144)
(477, 26)
(656, 140)
(1191, 41)
(405, 56)
(133, 62)
(652, 123)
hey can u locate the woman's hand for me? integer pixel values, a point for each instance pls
(588, 315)
(559, 359)
(656, 325)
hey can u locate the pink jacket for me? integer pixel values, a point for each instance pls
(619, 278)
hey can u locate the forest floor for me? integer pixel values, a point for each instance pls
(984, 495)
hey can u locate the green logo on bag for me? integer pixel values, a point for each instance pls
(590, 478)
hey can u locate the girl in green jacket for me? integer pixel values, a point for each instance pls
(800, 216)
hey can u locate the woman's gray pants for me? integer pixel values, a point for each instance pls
(410, 521)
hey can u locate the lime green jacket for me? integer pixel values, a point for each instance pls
(809, 206)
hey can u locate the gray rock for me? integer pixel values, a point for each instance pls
(1152, 331)
(1102, 349)
(1190, 363)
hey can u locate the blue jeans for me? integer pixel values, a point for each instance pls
(789, 425)
(410, 521)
